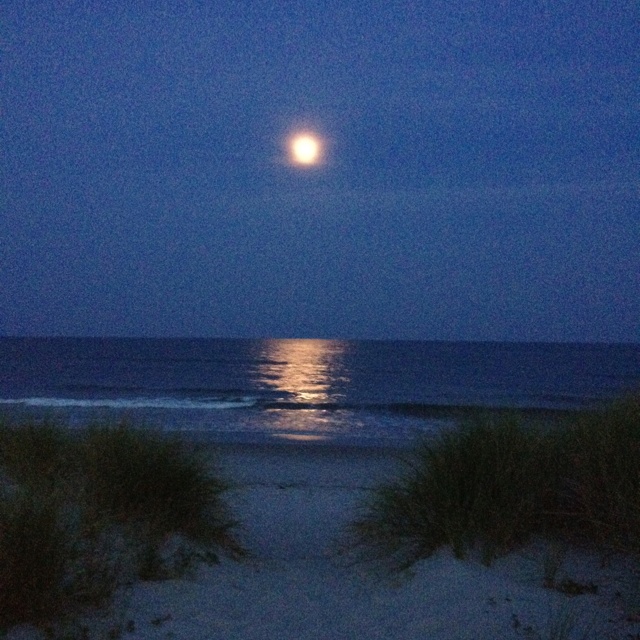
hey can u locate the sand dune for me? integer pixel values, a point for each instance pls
(294, 502)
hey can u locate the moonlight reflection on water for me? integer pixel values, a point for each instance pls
(306, 372)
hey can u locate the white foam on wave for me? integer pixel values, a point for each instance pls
(133, 403)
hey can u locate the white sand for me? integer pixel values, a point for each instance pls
(294, 501)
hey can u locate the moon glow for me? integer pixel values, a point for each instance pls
(305, 149)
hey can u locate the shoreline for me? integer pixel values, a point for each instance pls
(423, 426)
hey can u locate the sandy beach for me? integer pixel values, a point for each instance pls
(293, 501)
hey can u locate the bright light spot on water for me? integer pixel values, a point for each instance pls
(307, 373)
(299, 437)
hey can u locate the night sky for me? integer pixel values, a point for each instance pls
(478, 176)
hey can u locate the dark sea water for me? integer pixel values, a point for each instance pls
(356, 392)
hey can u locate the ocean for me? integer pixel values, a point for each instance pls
(356, 392)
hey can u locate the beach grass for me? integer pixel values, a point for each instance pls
(132, 477)
(486, 483)
(602, 500)
(37, 453)
(34, 552)
(492, 483)
(83, 512)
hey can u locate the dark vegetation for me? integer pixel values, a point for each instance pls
(84, 512)
(493, 483)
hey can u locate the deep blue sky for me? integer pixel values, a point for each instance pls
(481, 178)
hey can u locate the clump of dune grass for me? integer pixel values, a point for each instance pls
(48, 568)
(602, 497)
(34, 548)
(37, 453)
(82, 513)
(492, 483)
(487, 483)
(132, 477)
(152, 488)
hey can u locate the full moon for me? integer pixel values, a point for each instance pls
(305, 149)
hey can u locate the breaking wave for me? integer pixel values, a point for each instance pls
(134, 403)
